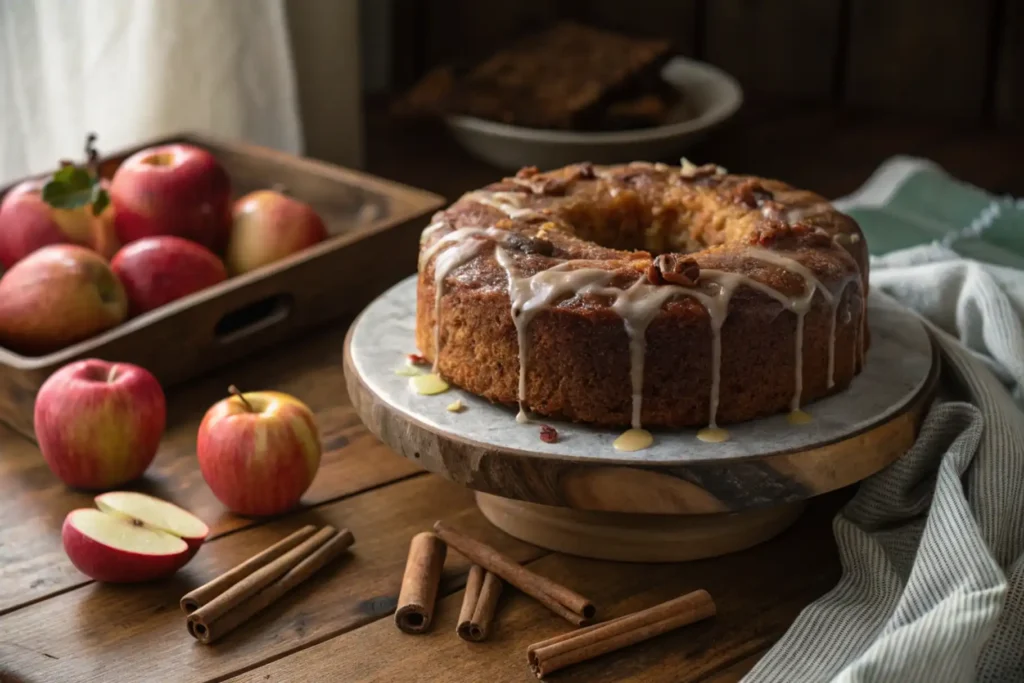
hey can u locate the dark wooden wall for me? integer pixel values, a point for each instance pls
(949, 59)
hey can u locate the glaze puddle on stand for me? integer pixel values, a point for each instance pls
(713, 435)
(799, 417)
(633, 440)
(428, 385)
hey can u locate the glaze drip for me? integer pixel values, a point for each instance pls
(465, 243)
(532, 294)
(800, 306)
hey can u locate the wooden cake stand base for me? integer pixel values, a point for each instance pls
(679, 499)
(632, 537)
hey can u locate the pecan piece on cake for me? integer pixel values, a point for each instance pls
(673, 269)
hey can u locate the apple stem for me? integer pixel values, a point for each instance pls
(112, 374)
(280, 188)
(233, 390)
(92, 157)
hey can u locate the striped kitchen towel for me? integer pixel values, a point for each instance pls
(932, 548)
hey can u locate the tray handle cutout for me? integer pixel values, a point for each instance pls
(253, 318)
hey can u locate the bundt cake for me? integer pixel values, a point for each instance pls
(643, 294)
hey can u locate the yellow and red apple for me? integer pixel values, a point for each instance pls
(56, 296)
(132, 537)
(28, 223)
(259, 451)
(99, 424)
(157, 270)
(174, 189)
(267, 227)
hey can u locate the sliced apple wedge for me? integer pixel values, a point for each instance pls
(156, 514)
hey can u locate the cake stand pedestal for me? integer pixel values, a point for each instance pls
(680, 499)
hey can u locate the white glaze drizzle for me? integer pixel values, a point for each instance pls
(832, 330)
(429, 231)
(800, 306)
(532, 294)
(462, 250)
(637, 305)
(509, 203)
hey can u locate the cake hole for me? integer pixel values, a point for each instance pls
(416, 454)
(414, 620)
(634, 225)
(589, 611)
(200, 629)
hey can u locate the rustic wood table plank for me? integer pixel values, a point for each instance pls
(101, 633)
(33, 502)
(758, 593)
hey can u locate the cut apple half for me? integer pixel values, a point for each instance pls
(131, 537)
(156, 514)
(116, 549)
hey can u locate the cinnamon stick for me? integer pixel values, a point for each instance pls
(195, 599)
(480, 601)
(420, 583)
(567, 649)
(259, 579)
(208, 631)
(567, 604)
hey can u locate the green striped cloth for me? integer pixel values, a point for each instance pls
(910, 202)
(932, 547)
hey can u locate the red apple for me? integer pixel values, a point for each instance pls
(132, 537)
(269, 226)
(157, 270)
(57, 296)
(99, 424)
(259, 451)
(176, 190)
(28, 223)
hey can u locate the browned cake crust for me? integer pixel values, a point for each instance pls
(737, 253)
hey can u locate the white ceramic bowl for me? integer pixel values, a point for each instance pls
(710, 97)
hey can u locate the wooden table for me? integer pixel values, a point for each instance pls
(57, 626)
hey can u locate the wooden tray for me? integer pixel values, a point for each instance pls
(374, 226)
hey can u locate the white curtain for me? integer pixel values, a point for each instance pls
(131, 70)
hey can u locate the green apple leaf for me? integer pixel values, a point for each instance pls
(61, 196)
(74, 178)
(72, 187)
(100, 199)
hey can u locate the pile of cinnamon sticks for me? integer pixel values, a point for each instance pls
(483, 589)
(218, 607)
